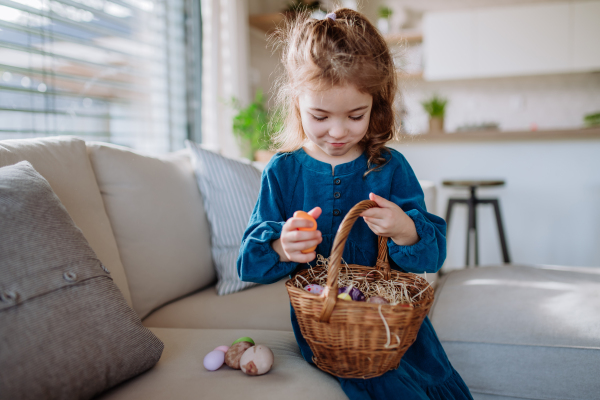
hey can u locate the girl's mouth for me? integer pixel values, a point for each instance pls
(337, 144)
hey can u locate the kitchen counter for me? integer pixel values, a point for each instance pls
(493, 135)
(549, 203)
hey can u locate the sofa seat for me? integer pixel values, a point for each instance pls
(180, 374)
(522, 331)
(260, 307)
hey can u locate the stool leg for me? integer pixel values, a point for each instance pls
(470, 208)
(501, 231)
(451, 203)
(474, 229)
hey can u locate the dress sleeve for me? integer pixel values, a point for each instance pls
(429, 253)
(257, 261)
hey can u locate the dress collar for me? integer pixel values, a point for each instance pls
(321, 167)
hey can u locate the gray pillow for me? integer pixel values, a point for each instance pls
(66, 331)
(229, 189)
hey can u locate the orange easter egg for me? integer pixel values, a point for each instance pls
(305, 215)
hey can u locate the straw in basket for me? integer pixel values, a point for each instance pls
(352, 339)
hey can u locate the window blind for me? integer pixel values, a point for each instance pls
(115, 71)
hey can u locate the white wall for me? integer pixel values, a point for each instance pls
(550, 102)
(264, 64)
(550, 204)
(226, 44)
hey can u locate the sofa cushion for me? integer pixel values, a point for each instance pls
(230, 190)
(260, 307)
(158, 220)
(430, 195)
(65, 328)
(180, 374)
(536, 328)
(64, 163)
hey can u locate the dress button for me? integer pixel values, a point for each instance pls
(337, 195)
(8, 296)
(105, 269)
(70, 276)
(337, 181)
(336, 212)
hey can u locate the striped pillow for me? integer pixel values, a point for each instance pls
(229, 189)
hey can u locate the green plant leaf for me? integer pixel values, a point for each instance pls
(384, 12)
(435, 106)
(251, 123)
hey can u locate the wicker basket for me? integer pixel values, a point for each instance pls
(351, 339)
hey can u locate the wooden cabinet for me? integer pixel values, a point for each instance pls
(585, 29)
(449, 45)
(522, 40)
(512, 41)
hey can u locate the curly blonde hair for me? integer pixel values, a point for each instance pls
(326, 53)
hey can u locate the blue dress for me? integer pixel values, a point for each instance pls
(296, 181)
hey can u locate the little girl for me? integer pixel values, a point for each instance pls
(339, 91)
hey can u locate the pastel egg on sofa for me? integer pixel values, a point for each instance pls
(222, 348)
(214, 360)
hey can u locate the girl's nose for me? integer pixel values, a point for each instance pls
(337, 131)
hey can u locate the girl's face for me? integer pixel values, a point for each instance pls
(335, 120)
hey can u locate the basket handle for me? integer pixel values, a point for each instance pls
(331, 290)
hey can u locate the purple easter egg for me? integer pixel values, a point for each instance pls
(354, 293)
(314, 288)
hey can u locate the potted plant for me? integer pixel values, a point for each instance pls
(592, 120)
(250, 126)
(383, 22)
(435, 107)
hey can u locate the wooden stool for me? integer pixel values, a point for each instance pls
(472, 203)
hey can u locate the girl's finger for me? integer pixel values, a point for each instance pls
(301, 236)
(297, 245)
(376, 213)
(372, 227)
(381, 202)
(315, 212)
(295, 223)
(301, 257)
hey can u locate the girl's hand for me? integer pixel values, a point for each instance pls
(292, 241)
(390, 221)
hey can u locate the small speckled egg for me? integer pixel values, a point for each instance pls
(257, 360)
(377, 300)
(235, 352)
(314, 288)
(214, 360)
(222, 348)
(344, 296)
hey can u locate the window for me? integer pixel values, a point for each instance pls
(121, 71)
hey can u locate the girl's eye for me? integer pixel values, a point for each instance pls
(319, 118)
(357, 118)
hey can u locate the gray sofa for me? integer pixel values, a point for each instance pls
(511, 331)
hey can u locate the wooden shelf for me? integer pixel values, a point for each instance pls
(410, 37)
(266, 22)
(491, 135)
(410, 75)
